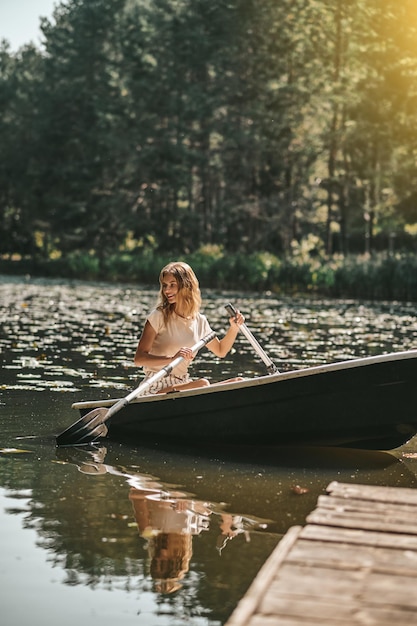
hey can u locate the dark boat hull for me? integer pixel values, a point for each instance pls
(367, 403)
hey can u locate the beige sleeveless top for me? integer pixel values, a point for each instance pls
(178, 333)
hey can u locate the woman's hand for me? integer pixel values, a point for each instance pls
(185, 353)
(237, 320)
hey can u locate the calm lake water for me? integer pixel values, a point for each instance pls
(152, 536)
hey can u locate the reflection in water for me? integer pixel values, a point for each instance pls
(166, 518)
(145, 521)
(168, 524)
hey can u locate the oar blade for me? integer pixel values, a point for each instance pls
(88, 428)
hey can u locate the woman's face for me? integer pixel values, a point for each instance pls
(169, 287)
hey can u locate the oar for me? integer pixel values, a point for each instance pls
(272, 368)
(92, 425)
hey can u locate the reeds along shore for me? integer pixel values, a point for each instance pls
(379, 276)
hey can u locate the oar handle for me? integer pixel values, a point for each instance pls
(165, 371)
(272, 368)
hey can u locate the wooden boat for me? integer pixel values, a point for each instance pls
(365, 403)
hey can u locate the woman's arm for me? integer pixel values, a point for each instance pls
(221, 347)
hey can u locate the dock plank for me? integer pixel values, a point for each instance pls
(342, 556)
(355, 562)
(360, 537)
(372, 493)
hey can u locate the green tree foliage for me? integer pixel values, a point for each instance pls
(20, 79)
(84, 125)
(371, 97)
(244, 124)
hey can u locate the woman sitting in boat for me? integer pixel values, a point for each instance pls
(175, 325)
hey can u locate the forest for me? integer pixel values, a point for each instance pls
(282, 128)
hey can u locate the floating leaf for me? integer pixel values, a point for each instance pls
(298, 490)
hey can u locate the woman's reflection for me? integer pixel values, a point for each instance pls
(168, 524)
(166, 518)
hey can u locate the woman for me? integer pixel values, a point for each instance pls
(174, 326)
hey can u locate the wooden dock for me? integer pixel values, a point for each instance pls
(355, 562)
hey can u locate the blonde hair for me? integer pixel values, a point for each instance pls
(188, 298)
(170, 555)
